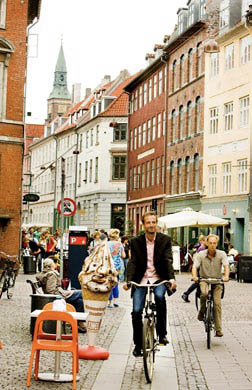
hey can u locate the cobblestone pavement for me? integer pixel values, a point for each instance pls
(228, 365)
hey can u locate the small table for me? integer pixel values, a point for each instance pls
(56, 376)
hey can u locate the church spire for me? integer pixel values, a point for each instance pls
(60, 90)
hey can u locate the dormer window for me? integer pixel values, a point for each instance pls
(182, 20)
(191, 13)
(224, 14)
(94, 110)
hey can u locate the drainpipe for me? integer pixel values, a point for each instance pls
(76, 152)
(165, 60)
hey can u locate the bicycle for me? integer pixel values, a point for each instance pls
(209, 315)
(8, 277)
(150, 340)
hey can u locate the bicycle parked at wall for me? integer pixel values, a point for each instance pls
(150, 339)
(209, 315)
(8, 277)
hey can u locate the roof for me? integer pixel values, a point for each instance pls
(119, 107)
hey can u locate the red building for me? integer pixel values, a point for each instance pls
(15, 16)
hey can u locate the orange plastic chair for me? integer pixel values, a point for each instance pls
(1, 345)
(52, 336)
(54, 345)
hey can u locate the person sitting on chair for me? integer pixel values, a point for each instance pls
(51, 284)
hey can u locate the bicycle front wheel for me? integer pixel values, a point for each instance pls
(11, 284)
(208, 324)
(2, 283)
(148, 348)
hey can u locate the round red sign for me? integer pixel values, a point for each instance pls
(69, 207)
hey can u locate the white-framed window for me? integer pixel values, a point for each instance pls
(131, 103)
(140, 97)
(148, 131)
(79, 182)
(158, 171)
(226, 177)
(212, 177)
(224, 13)
(197, 113)
(97, 135)
(244, 111)
(139, 137)
(143, 175)
(191, 14)
(228, 112)
(135, 100)
(87, 138)
(174, 74)
(214, 64)
(131, 140)
(160, 82)
(90, 170)
(148, 172)
(96, 169)
(91, 137)
(152, 172)
(179, 182)
(2, 13)
(196, 172)
(173, 123)
(159, 126)
(155, 86)
(229, 56)
(150, 90)
(181, 122)
(135, 138)
(153, 128)
(182, 70)
(243, 175)
(86, 172)
(145, 94)
(199, 59)
(187, 174)
(245, 45)
(214, 120)
(189, 118)
(162, 169)
(202, 8)
(144, 134)
(190, 65)
(172, 178)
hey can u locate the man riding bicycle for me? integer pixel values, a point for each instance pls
(151, 261)
(210, 262)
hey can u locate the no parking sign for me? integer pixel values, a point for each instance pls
(69, 207)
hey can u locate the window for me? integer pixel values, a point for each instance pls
(145, 93)
(143, 175)
(152, 172)
(80, 143)
(214, 64)
(159, 126)
(245, 44)
(96, 169)
(131, 140)
(120, 132)
(140, 97)
(197, 112)
(79, 183)
(144, 134)
(196, 172)
(135, 138)
(242, 175)
(139, 137)
(189, 118)
(164, 122)
(229, 57)
(132, 103)
(199, 59)
(182, 70)
(148, 175)
(97, 135)
(187, 174)
(162, 169)
(91, 137)
(155, 87)
(228, 116)
(2, 13)
(174, 74)
(165, 78)
(180, 22)
(226, 170)
(160, 82)
(173, 120)
(190, 65)
(212, 177)
(130, 179)
(244, 111)
(119, 167)
(90, 170)
(202, 8)
(172, 177)
(148, 131)
(135, 181)
(150, 90)
(179, 182)
(214, 120)
(87, 136)
(191, 14)
(158, 171)
(135, 101)
(224, 13)
(86, 172)
(153, 128)
(181, 122)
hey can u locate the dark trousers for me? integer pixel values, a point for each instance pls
(76, 300)
(191, 288)
(139, 296)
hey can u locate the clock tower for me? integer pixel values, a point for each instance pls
(59, 99)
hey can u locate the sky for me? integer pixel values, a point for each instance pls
(99, 38)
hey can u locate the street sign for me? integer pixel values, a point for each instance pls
(31, 197)
(69, 207)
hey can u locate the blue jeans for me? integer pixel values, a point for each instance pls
(114, 292)
(76, 300)
(139, 296)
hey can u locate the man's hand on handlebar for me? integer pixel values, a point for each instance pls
(225, 279)
(195, 279)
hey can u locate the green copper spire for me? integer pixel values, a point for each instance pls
(60, 78)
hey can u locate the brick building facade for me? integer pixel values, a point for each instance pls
(14, 18)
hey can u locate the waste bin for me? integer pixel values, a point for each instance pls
(37, 303)
(29, 264)
(244, 270)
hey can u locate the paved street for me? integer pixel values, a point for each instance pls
(184, 364)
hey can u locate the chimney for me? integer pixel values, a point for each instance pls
(166, 38)
(150, 57)
(88, 92)
(76, 93)
(158, 49)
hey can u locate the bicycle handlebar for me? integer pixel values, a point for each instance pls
(151, 285)
(208, 280)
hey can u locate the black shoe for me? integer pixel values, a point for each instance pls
(163, 340)
(185, 298)
(81, 329)
(137, 352)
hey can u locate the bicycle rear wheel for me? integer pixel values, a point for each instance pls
(148, 348)
(208, 324)
(2, 283)
(11, 284)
